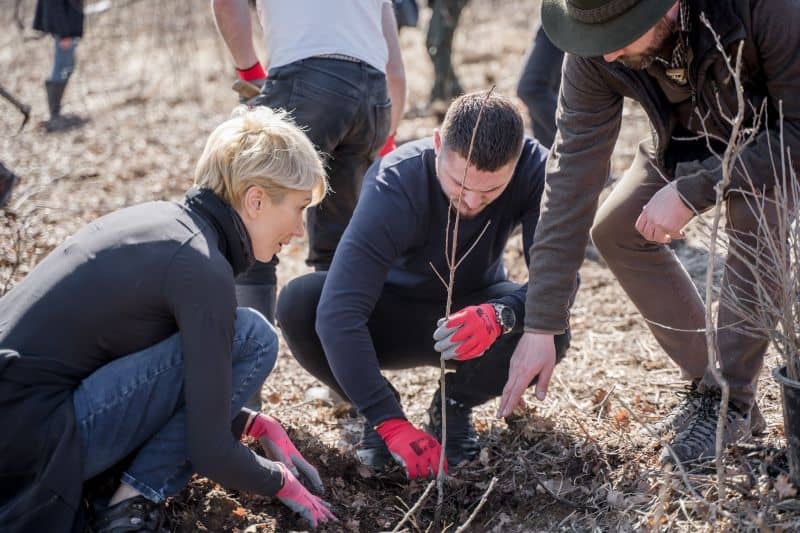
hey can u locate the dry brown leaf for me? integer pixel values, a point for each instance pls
(784, 487)
(622, 418)
(364, 471)
(599, 395)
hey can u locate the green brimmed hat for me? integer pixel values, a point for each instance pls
(591, 28)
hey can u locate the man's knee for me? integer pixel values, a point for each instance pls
(603, 233)
(297, 305)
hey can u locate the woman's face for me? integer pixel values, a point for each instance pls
(270, 224)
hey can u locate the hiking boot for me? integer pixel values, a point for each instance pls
(757, 423)
(679, 416)
(462, 442)
(371, 450)
(134, 514)
(696, 443)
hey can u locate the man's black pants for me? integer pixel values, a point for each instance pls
(345, 110)
(401, 327)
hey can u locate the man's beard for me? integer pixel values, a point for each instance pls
(663, 31)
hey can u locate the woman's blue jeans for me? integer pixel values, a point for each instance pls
(136, 404)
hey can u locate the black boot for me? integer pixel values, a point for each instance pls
(58, 122)
(262, 298)
(462, 441)
(55, 92)
(7, 181)
(371, 450)
(134, 514)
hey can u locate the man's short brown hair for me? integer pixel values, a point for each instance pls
(498, 141)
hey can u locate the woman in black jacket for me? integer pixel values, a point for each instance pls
(126, 342)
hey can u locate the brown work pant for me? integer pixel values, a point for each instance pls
(662, 290)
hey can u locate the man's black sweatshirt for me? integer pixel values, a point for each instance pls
(395, 240)
(121, 284)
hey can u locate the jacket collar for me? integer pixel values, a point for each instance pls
(234, 242)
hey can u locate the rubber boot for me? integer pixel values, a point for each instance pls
(7, 181)
(55, 92)
(262, 298)
(58, 122)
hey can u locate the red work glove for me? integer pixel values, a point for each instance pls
(252, 74)
(468, 333)
(279, 447)
(296, 497)
(417, 451)
(388, 147)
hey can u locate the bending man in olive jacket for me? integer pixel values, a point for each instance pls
(660, 53)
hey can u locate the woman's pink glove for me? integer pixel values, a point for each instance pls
(279, 447)
(296, 497)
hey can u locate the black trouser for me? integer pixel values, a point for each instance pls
(401, 327)
(345, 110)
(538, 86)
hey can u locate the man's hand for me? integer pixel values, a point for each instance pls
(664, 217)
(417, 451)
(279, 447)
(296, 497)
(535, 355)
(468, 333)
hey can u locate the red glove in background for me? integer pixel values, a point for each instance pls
(254, 73)
(468, 333)
(296, 497)
(279, 447)
(388, 147)
(417, 451)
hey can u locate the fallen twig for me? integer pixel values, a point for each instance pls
(478, 507)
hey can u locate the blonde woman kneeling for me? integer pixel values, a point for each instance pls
(126, 340)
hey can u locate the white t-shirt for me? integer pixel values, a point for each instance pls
(299, 29)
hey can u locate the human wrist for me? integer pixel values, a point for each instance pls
(504, 316)
(254, 72)
(248, 426)
(389, 427)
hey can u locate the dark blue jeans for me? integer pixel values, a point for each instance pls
(345, 109)
(539, 84)
(136, 402)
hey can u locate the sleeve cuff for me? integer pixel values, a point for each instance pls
(387, 408)
(696, 184)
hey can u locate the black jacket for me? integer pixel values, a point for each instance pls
(121, 284)
(63, 18)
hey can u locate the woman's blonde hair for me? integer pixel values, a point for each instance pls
(263, 147)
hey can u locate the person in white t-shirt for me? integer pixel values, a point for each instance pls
(337, 67)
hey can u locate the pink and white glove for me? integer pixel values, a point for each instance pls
(279, 447)
(296, 497)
